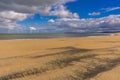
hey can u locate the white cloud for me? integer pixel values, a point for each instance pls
(62, 12)
(12, 15)
(8, 24)
(110, 9)
(8, 19)
(33, 28)
(51, 21)
(94, 14)
(12, 11)
(111, 22)
(30, 6)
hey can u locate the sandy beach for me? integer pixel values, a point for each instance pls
(87, 58)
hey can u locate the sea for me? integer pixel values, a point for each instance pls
(49, 36)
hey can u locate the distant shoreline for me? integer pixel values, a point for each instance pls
(49, 36)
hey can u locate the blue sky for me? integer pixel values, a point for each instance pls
(54, 16)
(83, 7)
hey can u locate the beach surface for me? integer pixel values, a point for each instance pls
(87, 58)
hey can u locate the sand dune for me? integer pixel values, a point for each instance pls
(90, 58)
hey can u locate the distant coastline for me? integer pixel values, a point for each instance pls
(51, 36)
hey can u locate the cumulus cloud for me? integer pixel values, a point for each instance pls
(30, 6)
(7, 24)
(8, 19)
(93, 24)
(12, 11)
(62, 12)
(94, 14)
(12, 15)
(110, 9)
(51, 21)
(33, 28)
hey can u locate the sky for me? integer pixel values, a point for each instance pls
(59, 16)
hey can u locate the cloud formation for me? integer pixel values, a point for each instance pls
(8, 20)
(51, 21)
(33, 28)
(61, 12)
(32, 6)
(11, 15)
(12, 11)
(110, 9)
(94, 14)
(111, 22)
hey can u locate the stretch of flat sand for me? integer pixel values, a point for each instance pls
(86, 58)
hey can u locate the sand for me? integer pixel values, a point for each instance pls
(113, 74)
(87, 58)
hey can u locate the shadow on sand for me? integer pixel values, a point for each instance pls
(65, 58)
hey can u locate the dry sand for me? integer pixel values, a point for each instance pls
(90, 58)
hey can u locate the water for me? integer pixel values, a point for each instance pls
(47, 36)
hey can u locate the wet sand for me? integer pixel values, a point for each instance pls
(88, 58)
